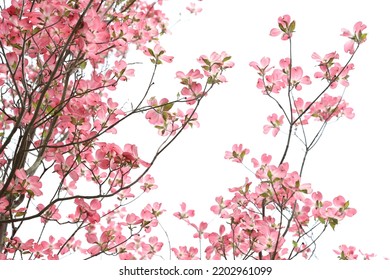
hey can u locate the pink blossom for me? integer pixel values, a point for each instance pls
(356, 37)
(158, 53)
(190, 77)
(51, 213)
(29, 183)
(193, 91)
(87, 211)
(346, 252)
(214, 65)
(367, 256)
(154, 115)
(238, 153)
(200, 229)
(286, 27)
(183, 253)
(184, 213)
(147, 183)
(297, 78)
(222, 204)
(276, 122)
(266, 159)
(273, 82)
(261, 68)
(193, 9)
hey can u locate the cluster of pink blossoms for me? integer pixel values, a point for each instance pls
(277, 218)
(251, 230)
(349, 253)
(272, 80)
(58, 110)
(168, 122)
(60, 61)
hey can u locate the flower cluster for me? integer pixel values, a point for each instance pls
(251, 230)
(162, 115)
(349, 253)
(356, 37)
(273, 80)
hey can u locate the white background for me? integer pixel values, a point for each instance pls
(350, 160)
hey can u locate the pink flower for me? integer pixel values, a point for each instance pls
(367, 256)
(158, 53)
(184, 214)
(186, 254)
(262, 68)
(147, 183)
(214, 65)
(273, 82)
(193, 91)
(300, 107)
(317, 196)
(130, 155)
(155, 115)
(276, 122)
(357, 37)
(187, 79)
(266, 159)
(238, 153)
(152, 247)
(346, 252)
(193, 9)
(329, 107)
(222, 204)
(30, 184)
(85, 211)
(190, 117)
(50, 214)
(200, 229)
(286, 26)
(297, 78)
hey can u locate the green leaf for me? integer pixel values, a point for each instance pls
(247, 188)
(281, 27)
(226, 58)
(342, 256)
(36, 30)
(30, 193)
(151, 52)
(167, 107)
(78, 159)
(16, 46)
(207, 61)
(20, 214)
(333, 222)
(83, 65)
(165, 116)
(292, 26)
